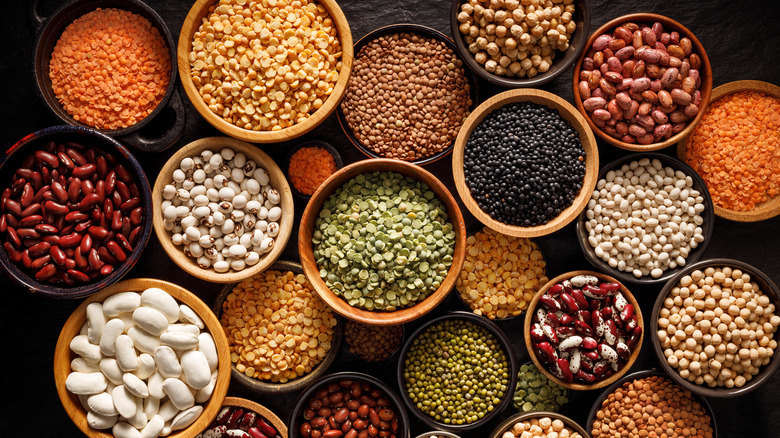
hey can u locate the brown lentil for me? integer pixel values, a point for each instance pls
(407, 97)
(372, 343)
(540, 427)
(500, 274)
(277, 327)
(651, 407)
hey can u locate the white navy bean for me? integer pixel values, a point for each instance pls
(151, 407)
(124, 402)
(167, 362)
(121, 302)
(195, 369)
(102, 404)
(179, 340)
(126, 356)
(186, 417)
(125, 430)
(96, 321)
(87, 350)
(155, 385)
(110, 368)
(144, 342)
(83, 366)
(179, 393)
(207, 346)
(135, 386)
(100, 422)
(151, 320)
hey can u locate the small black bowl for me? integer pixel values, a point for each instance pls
(310, 143)
(707, 227)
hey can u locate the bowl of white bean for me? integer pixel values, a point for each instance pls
(223, 209)
(649, 216)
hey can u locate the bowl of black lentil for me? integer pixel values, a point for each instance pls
(525, 163)
(457, 372)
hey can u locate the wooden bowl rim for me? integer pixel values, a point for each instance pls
(279, 181)
(63, 354)
(507, 424)
(191, 23)
(767, 371)
(765, 210)
(256, 407)
(313, 208)
(572, 117)
(705, 70)
(529, 315)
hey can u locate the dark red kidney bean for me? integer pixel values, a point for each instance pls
(110, 181)
(123, 190)
(78, 275)
(46, 272)
(46, 229)
(135, 235)
(81, 261)
(3, 223)
(95, 214)
(130, 204)
(116, 198)
(76, 156)
(26, 260)
(71, 240)
(127, 227)
(56, 208)
(98, 232)
(106, 256)
(26, 172)
(57, 256)
(84, 171)
(90, 155)
(13, 237)
(47, 158)
(100, 189)
(11, 220)
(39, 249)
(82, 226)
(32, 209)
(26, 198)
(87, 187)
(88, 201)
(28, 233)
(123, 173)
(101, 166)
(14, 207)
(74, 189)
(106, 270)
(137, 216)
(65, 160)
(85, 243)
(14, 254)
(123, 242)
(116, 250)
(94, 259)
(40, 262)
(116, 220)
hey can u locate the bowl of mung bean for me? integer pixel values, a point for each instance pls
(438, 377)
(285, 81)
(410, 109)
(713, 328)
(279, 311)
(516, 43)
(382, 241)
(649, 216)
(539, 424)
(518, 175)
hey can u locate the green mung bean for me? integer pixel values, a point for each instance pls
(383, 241)
(535, 392)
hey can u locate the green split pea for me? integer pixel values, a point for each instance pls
(535, 392)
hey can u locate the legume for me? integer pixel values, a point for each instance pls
(265, 66)
(540, 427)
(524, 164)
(309, 167)
(373, 343)
(110, 68)
(456, 372)
(736, 149)
(645, 218)
(535, 392)
(233, 421)
(501, 274)
(407, 96)
(653, 407)
(382, 241)
(717, 327)
(277, 327)
(516, 38)
(72, 213)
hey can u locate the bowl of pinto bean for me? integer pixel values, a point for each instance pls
(642, 82)
(75, 212)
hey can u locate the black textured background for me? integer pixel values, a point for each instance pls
(742, 39)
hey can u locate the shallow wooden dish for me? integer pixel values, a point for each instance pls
(63, 355)
(768, 209)
(507, 424)
(278, 181)
(568, 113)
(337, 160)
(273, 388)
(305, 248)
(529, 316)
(191, 23)
(249, 405)
(767, 287)
(669, 25)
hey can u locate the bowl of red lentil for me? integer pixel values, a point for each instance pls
(647, 401)
(286, 338)
(412, 108)
(309, 164)
(110, 65)
(735, 150)
(286, 82)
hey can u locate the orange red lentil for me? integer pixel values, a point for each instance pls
(110, 68)
(736, 149)
(309, 167)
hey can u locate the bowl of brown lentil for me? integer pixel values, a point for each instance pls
(373, 343)
(279, 312)
(410, 109)
(538, 424)
(279, 99)
(713, 326)
(309, 164)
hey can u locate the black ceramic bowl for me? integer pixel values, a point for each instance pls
(695, 254)
(310, 143)
(503, 341)
(767, 287)
(13, 158)
(426, 32)
(301, 403)
(167, 128)
(560, 64)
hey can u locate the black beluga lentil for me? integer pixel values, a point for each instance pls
(524, 164)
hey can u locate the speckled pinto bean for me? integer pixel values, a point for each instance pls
(71, 214)
(637, 70)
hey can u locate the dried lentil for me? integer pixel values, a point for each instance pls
(500, 274)
(309, 167)
(407, 97)
(278, 329)
(372, 343)
(540, 427)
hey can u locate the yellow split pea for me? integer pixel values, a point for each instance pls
(277, 328)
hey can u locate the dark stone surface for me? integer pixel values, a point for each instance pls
(742, 39)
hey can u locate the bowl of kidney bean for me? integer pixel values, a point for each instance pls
(584, 330)
(75, 212)
(244, 418)
(348, 405)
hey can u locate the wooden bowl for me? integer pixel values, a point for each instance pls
(695, 254)
(273, 388)
(529, 316)
(191, 24)
(310, 143)
(306, 251)
(560, 64)
(249, 405)
(767, 287)
(765, 210)
(437, 433)
(507, 424)
(63, 354)
(669, 25)
(568, 113)
(278, 181)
